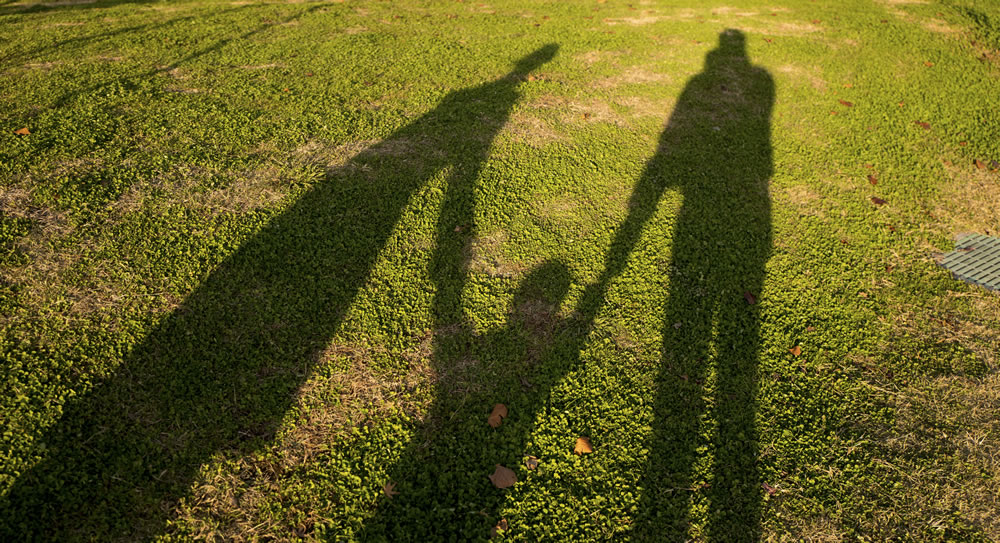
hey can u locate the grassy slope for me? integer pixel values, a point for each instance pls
(180, 359)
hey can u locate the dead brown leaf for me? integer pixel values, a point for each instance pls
(389, 491)
(583, 446)
(878, 201)
(796, 350)
(530, 462)
(22, 131)
(925, 126)
(499, 528)
(979, 164)
(845, 103)
(872, 179)
(750, 298)
(497, 415)
(503, 477)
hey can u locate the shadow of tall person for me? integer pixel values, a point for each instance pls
(219, 373)
(716, 149)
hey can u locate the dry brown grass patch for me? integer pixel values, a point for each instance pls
(940, 27)
(634, 21)
(803, 199)
(591, 57)
(246, 191)
(633, 75)
(352, 155)
(729, 10)
(263, 66)
(531, 130)
(648, 107)
(969, 202)
(572, 111)
(485, 256)
(226, 503)
(810, 76)
(947, 441)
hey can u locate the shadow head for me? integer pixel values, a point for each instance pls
(547, 283)
(732, 43)
(531, 62)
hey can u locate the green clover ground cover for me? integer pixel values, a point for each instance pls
(266, 268)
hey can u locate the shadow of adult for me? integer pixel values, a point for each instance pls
(219, 373)
(716, 149)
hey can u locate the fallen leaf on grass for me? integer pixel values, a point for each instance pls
(928, 63)
(878, 201)
(796, 350)
(873, 180)
(503, 477)
(925, 126)
(815, 21)
(749, 298)
(22, 131)
(770, 489)
(497, 415)
(388, 490)
(963, 143)
(583, 446)
(845, 103)
(530, 462)
(500, 527)
(979, 164)
(994, 164)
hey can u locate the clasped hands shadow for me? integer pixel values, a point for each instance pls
(219, 373)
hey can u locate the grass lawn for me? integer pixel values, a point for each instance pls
(267, 267)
